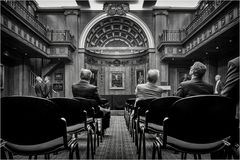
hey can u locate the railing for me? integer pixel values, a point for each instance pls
(33, 80)
(180, 35)
(23, 12)
(172, 35)
(199, 19)
(60, 36)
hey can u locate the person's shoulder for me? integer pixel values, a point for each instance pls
(141, 85)
(186, 83)
(234, 61)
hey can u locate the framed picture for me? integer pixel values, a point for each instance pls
(58, 87)
(1, 76)
(58, 76)
(94, 77)
(140, 76)
(116, 80)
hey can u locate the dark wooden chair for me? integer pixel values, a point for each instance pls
(76, 117)
(139, 110)
(105, 103)
(152, 122)
(90, 105)
(197, 125)
(32, 126)
(129, 104)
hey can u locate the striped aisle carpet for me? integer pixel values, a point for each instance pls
(117, 144)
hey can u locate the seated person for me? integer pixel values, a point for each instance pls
(84, 89)
(231, 90)
(195, 86)
(149, 89)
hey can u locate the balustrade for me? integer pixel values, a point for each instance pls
(209, 8)
(25, 14)
(172, 35)
(60, 36)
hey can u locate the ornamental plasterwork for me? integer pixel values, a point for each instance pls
(116, 8)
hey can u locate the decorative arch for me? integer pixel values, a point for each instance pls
(132, 17)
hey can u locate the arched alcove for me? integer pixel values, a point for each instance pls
(116, 45)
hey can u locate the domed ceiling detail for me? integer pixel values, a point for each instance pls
(116, 35)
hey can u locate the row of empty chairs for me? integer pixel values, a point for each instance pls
(33, 126)
(195, 125)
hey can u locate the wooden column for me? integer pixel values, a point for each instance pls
(72, 68)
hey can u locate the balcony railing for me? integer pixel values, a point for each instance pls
(172, 35)
(60, 36)
(199, 19)
(24, 13)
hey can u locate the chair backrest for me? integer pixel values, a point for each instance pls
(27, 120)
(143, 105)
(130, 101)
(87, 105)
(201, 119)
(71, 109)
(158, 109)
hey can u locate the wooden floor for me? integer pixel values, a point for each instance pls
(117, 144)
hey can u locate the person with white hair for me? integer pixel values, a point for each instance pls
(39, 87)
(149, 89)
(219, 85)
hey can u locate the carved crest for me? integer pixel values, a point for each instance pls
(116, 8)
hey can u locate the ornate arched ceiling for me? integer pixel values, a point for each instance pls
(118, 34)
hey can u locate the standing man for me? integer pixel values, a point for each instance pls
(39, 87)
(219, 85)
(86, 90)
(195, 86)
(47, 87)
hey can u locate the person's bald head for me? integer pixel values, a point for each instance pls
(153, 75)
(217, 77)
(39, 79)
(85, 74)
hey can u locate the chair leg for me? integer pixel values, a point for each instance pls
(153, 150)
(77, 152)
(140, 145)
(88, 137)
(95, 136)
(144, 144)
(47, 156)
(92, 150)
(158, 147)
(3, 154)
(195, 156)
(199, 156)
(10, 155)
(183, 155)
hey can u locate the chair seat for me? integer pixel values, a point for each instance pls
(90, 120)
(75, 128)
(41, 148)
(194, 147)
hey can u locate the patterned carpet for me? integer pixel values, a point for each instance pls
(117, 144)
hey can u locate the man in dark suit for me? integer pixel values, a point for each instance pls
(231, 89)
(218, 85)
(39, 87)
(84, 89)
(195, 86)
(48, 87)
